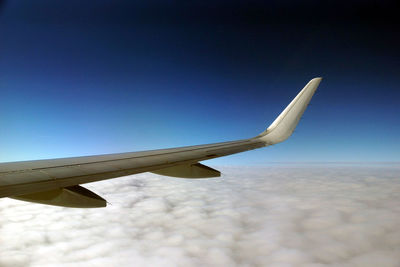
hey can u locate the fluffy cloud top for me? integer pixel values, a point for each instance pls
(276, 216)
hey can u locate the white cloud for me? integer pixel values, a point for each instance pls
(276, 216)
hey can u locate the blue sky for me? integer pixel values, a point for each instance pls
(78, 79)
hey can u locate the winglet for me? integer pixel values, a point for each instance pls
(284, 125)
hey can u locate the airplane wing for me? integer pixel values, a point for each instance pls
(57, 181)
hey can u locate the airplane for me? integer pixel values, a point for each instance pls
(57, 181)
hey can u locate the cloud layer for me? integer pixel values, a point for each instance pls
(276, 216)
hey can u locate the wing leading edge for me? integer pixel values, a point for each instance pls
(36, 180)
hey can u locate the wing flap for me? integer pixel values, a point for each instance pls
(72, 197)
(193, 171)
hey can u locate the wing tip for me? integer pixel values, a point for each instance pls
(315, 81)
(283, 126)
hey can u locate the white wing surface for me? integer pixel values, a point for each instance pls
(56, 181)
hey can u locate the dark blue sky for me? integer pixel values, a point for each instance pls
(83, 78)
